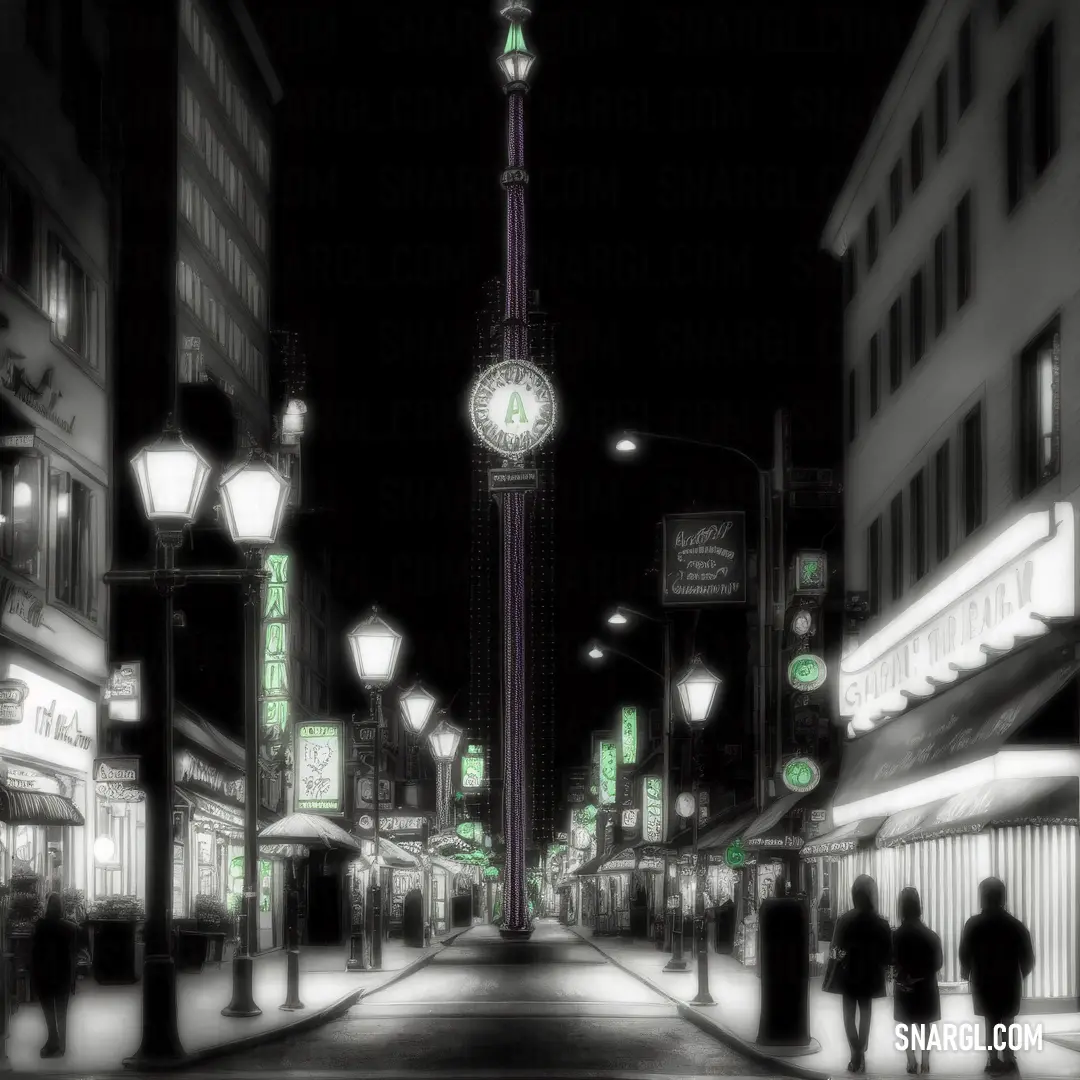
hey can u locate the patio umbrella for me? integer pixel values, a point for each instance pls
(310, 831)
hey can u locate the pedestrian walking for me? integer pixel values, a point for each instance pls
(917, 958)
(52, 969)
(996, 956)
(860, 953)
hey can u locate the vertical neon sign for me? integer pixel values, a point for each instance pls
(609, 760)
(275, 671)
(629, 735)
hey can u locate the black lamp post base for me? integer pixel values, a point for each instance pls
(160, 1046)
(515, 935)
(243, 999)
(292, 995)
(676, 964)
(354, 965)
(702, 999)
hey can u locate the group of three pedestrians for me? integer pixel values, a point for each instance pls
(995, 955)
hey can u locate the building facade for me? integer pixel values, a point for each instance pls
(957, 688)
(485, 675)
(56, 333)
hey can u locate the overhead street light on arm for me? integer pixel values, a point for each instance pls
(598, 651)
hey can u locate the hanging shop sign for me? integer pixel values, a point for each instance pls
(807, 673)
(652, 803)
(684, 805)
(365, 786)
(576, 785)
(811, 573)
(123, 692)
(58, 725)
(13, 693)
(191, 769)
(704, 559)
(629, 734)
(274, 688)
(801, 774)
(116, 779)
(703, 806)
(472, 767)
(20, 779)
(999, 598)
(320, 767)
(512, 407)
(513, 479)
(609, 768)
(735, 855)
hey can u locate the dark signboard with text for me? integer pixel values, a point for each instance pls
(704, 559)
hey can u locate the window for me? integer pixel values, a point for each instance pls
(917, 502)
(915, 155)
(1040, 409)
(22, 521)
(73, 303)
(965, 67)
(917, 313)
(871, 237)
(1014, 145)
(971, 478)
(18, 224)
(942, 493)
(940, 283)
(941, 110)
(847, 270)
(896, 194)
(964, 259)
(873, 565)
(874, 363)
(896, 546)
(896, 344)
(1044, 101)
(74, 562)
(853, 406)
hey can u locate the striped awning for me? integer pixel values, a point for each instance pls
(840, 841)
(37, 808)
(639, 856)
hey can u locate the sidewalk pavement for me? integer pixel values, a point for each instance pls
(105, 1022)
(734, 1019)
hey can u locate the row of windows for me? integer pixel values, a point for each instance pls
(916, 152)
(72, 298)
(1032, 119)
(920, 520)
(215, 239)
(247, 359)
(58, 525)
(224, 170)
(928, 303)
(236, 108)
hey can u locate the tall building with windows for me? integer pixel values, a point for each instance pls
(485, 671)
(961, 279)
(57, 306)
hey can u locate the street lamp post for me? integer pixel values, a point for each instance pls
(171, 476)
(417, 705)
(375, 646)
(444, 741)
(697, 692)
(628, 444)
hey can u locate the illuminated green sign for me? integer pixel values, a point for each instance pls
(652, 829)
(734, 856)
(807, 672)
(471, 830)
(609, 761)
(585, 819)
(472, 768)
(629, 735)
(274, 683)
(801, 774)
(491, 871)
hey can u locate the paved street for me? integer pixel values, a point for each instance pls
(553, 1006)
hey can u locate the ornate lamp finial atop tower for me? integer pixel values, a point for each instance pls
(516, 11)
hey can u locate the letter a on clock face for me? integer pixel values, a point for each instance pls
(512, 408)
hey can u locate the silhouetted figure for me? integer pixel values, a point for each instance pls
(52, 968)
(412, 919)
(860, 953)
(996, 956)
(917, 958)
(784, 964)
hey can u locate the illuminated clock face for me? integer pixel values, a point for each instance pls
(684, 805)
(512, 408)
(801, 774)
(807, 673)
(801, 623)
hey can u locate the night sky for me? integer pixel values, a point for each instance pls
(683, 158)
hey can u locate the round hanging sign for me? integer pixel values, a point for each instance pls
(684, 805)
(801, 774)
(734, 856)
(801, 623)
(807, 672)
(512, 408)
(366, 821)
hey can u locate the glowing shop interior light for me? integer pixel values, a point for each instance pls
(104, 849)
(23, 496)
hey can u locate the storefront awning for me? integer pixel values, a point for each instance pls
(1040, 801)
(37, 808)
(592, 867)
(840, 841)
(640, 856)
(396, 857)
(958, 726)
(717, 839)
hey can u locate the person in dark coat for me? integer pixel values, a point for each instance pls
(917, 958)
(996, 956)
(784, 966)
(861, 951)
(52, 968)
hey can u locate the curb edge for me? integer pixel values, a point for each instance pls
(718, 1031)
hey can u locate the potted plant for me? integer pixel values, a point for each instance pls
(207, 943)
(114, 922)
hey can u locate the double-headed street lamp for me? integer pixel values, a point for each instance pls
(171, 476)
(627, 445)
(698, 689)
(375, 645)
